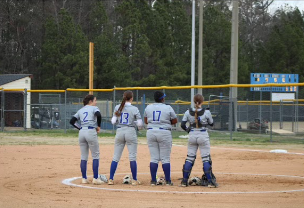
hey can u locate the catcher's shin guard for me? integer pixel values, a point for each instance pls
(187, 171)
(209, 175)
(207, 170)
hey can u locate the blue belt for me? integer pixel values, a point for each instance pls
(202, 130)
(124, 126)
(159, 128)
(89, 127)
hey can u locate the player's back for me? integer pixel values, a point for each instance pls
(159, 115)
(87, 117)
(128, 115)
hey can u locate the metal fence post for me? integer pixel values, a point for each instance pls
(247, 113)
(270, 114)
(293, 117)
(3, 110)
(137, 98)
(65, 112)
(230, 126)
(25, 109)
(281, 114)
(260, 107)
(297, 111)
(113, 106)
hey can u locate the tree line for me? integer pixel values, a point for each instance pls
(144, 42)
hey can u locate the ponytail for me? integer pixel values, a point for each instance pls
(196, 120)
(198, 100)
(122, 105)
(126, 96)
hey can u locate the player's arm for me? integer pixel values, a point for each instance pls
(184, 121)
(146, 120)
(173, 115)
(98, 115)
(183, 126)
(209, 117)
(73, 122)
(114, 118)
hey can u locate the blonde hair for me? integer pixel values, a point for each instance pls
(126, 96)
(198, 100)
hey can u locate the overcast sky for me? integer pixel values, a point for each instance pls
(294, 3)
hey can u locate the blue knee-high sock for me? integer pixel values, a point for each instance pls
(207, 170)
(83, 168)
(153, 170)
(167, 171)
(187, 168)
(95, 167)
(113, 169)
(133, 166)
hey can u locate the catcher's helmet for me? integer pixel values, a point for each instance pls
(160, 181)
(127, 179)
(103, 178)
(194, 181)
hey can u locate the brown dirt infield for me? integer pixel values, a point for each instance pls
(31, 177)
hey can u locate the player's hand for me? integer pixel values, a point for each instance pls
(98, 129)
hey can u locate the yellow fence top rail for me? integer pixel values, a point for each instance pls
(87, 90)
(12, 90)
(46, 91)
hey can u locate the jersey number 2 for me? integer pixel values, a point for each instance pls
(86, 115)
(124, 118)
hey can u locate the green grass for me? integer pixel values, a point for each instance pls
(220, 138)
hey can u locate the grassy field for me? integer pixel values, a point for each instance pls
(217, 138)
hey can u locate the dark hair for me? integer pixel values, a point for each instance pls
(126, 96)
(198, 100)
(87, 99)
(158, 96)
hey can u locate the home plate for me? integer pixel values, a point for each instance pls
(184, 136)
(279, 151)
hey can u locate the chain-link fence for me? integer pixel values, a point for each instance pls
(256, 111)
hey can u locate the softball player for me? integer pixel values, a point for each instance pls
(160, 118)
(124, 116)
(90, 119)
(198, 118)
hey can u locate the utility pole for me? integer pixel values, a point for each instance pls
(193, 53)
(200, 47)
(234, 66)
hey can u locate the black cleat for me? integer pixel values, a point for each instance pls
(169, 183)
(212, 184)
(153, 183)
(184, 183)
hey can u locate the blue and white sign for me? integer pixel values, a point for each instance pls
(265, 78)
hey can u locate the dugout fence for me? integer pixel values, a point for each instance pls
(256, 111)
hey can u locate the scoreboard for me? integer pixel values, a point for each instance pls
(265, 78)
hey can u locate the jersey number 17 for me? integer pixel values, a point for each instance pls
(156, 115)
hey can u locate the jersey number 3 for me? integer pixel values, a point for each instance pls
(124, 118)
(156, 115)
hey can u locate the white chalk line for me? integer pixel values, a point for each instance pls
(248, 150)
(68, 182)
